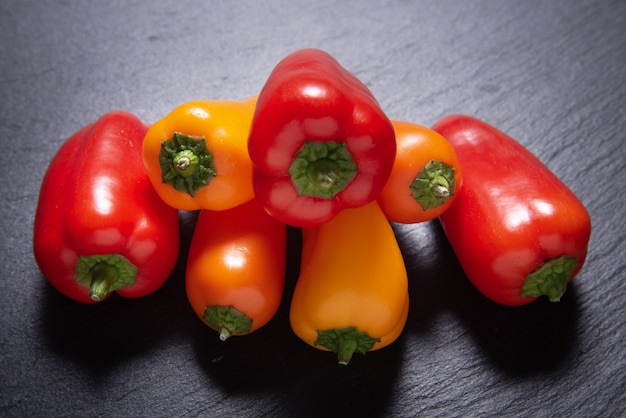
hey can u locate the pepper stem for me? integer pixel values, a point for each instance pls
(322, 168)
(226, 320)
(186, 163)
(345, 342)
(224, 334)
(550, 278)
(434, 185)
(104, 274)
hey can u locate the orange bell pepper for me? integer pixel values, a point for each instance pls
(425, 177)
(197, 155)
(352, 292)
(236, 268)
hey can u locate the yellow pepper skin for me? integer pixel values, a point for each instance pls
(352, 292)
(197, 155)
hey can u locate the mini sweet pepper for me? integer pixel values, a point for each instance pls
(518, 231)
(197, 155)
(319, 141)
(352, 292)
(100, 226)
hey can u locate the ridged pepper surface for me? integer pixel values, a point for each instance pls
(100, 226)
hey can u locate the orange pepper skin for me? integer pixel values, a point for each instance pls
(237, 260)
(417, 147)
(352, 276)
(224, 125)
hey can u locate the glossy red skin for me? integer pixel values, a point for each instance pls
(310, 96)
(96, 198)
(512, 213)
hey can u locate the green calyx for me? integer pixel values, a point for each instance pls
(322, 168)
(550, 278)
(226, 320)
(104, 274)
(186, 162)
(434, 185)
(345, 342)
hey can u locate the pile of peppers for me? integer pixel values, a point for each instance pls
(315, 151)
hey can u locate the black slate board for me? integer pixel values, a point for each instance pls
(551, 74)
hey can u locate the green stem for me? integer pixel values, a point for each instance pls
(434, 185)
(225, 334)
(322, 168)
(345, 349)
(104, 273)
(550, 279)
(186, 163)
(227, 321)
(345, 342)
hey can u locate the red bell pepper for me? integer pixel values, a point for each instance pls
(319, 141)
(100, 225)
(517, 230)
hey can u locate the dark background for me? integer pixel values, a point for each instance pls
(552, 74)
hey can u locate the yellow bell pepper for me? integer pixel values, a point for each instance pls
(352, 292)
(197, 155)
